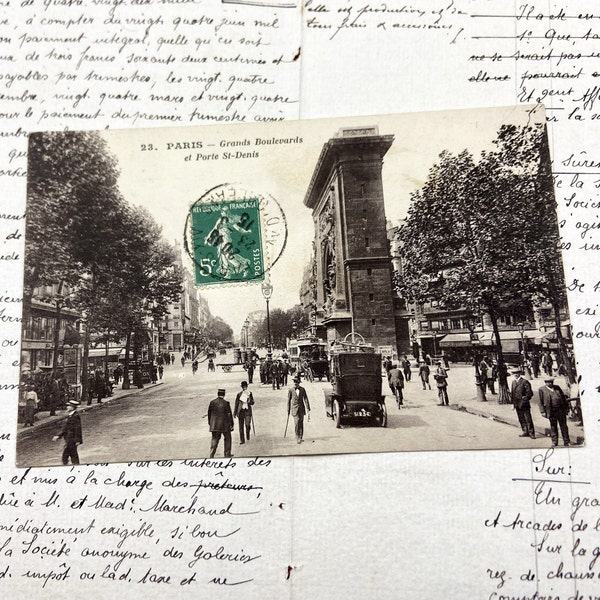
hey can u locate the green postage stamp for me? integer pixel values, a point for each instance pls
(227, 245)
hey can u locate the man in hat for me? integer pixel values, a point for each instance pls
(555, 407)
(298, 406)
(71, 433)
(521, 394)
(243, 411)
(220, 421)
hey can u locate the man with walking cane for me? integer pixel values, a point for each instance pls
(243, 411)
(298, 406)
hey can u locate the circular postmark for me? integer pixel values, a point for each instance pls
(234, 234)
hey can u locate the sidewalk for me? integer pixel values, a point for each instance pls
(463, 397)
(43, 420)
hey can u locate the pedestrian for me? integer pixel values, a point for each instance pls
(101, 388)
(220, 422)
(117, 374)
(250, 369)
(275, 374)
(521, 394)
(211, 365)
(298, 406)
(424, 372)
(445, 360)
(285, 370)
(31, 404)
(71, 434)
(54, 395)
(486, 372)
(91, 387)
(396, 383)
(406, 368)
(387, 364)
(243, 411)
(535, 364)
(555, 407)
(194, 367)
(161, 370)
(138, 380)
(441, 379)
(492, 378)
(547, 363)
(265, 369)
(182, 361)
(172, 359)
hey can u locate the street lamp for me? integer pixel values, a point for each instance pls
(267, 292)
(294, 327)
(246, 326)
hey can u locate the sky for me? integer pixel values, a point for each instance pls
(160, 173)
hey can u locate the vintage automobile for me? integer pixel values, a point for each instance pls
(355, 394)
(308, 356)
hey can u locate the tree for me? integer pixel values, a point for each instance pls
(474, 231)
(217, 330)
(82, 233)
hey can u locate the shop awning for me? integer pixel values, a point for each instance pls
(484, 338)
(112, 351)
(456, 340)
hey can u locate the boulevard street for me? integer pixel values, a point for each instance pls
(168, 421)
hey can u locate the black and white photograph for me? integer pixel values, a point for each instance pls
(382, 283)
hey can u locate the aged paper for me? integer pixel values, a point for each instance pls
(522, 524)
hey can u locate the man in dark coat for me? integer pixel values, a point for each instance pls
(275, 374)
(555, 407)
(243, 411)
(521, 394)
(406, 368)
(220, 421)
(298, 406)
(250, 369)
(71, 433)
(55, 395)
(424, 372)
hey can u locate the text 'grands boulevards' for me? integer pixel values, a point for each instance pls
(229, 145)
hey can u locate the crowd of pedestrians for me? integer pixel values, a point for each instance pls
(550, 398)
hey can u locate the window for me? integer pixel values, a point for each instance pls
(373, 321)
(371, 297)
(369, 272)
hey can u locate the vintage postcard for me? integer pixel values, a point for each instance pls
(379, 283)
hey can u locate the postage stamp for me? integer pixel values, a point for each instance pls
(234, 235)
(227, 241)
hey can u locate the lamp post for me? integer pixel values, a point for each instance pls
(526, 369)
(267, 292)
(294, 327)
(246, 326)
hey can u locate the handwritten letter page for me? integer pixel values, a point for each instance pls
(496, 525)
